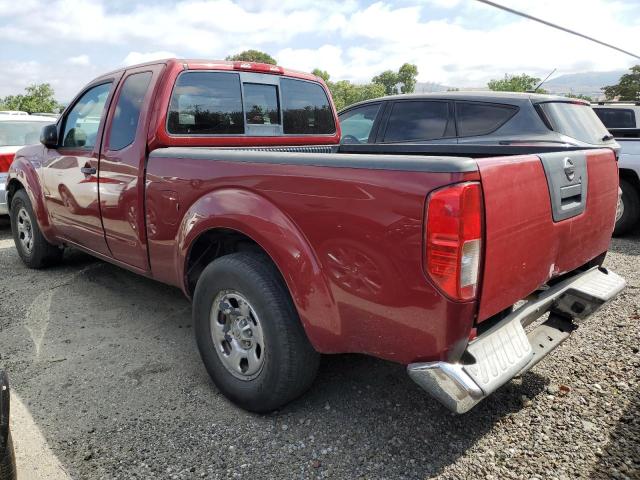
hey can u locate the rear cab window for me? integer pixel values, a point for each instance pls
(209, 103)
(616, 117)
(576, 120)
(206, 103)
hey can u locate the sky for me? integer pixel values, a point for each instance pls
(460, 43)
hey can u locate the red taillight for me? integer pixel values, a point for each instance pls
(5, 161)
(453, 239)
(258, 67)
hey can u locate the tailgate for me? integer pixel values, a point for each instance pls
(545, 215)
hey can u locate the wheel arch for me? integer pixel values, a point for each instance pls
(24, 176)
(228, 220)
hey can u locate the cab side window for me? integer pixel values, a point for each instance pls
(82, 123)
(127, 113)
(356, 124)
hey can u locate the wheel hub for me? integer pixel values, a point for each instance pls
(237, 335)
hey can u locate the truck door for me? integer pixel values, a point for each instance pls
(122, 164)
(70, 172)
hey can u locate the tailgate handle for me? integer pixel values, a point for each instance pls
(571, 194)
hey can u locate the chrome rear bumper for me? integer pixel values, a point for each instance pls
(506, 350)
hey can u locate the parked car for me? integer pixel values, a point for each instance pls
(623, 121)
(47, 114)
(487, 118)
(7, 454)
(16, 131)
(290, 248)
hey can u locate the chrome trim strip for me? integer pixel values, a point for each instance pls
(409, 163)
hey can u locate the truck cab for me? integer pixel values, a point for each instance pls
(622, 119)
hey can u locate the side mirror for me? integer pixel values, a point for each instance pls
(49, 136)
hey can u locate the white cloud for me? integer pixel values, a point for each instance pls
(79, 60)
(66, 81)
(136, 57)
(349, 39)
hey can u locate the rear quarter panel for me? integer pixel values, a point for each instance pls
(348, 242)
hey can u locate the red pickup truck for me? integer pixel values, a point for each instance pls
(226, 180)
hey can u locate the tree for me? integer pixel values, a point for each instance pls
(253, 56)
(407, 76)
(345, 93)
(323, 74)
(37, 98)
(515, 83)
(627, 88)
(389, 80)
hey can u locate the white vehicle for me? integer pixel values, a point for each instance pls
(622, 119)
(16, 131)
(13, 112)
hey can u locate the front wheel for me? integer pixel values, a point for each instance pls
(249, 335)
(628, 210)
(33, 248)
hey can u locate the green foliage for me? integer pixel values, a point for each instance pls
(345, 93)
(628, 88)
(515, 83)
(253, 56)
(407, 77)
(389, 80)
(580, 96)
(37, 98)
(323, 74)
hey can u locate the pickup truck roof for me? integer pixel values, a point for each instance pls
(176, 120)
(200, 64)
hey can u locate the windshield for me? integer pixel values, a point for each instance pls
(576, 120)
(17, 133)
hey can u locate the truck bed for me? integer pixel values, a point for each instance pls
(363, 243)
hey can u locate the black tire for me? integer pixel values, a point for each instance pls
(8, 461)
(290, 362)
(42, 253)
(631, 215)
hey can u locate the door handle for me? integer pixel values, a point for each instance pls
(88, 170)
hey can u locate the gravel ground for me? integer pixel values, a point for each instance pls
(106, 364)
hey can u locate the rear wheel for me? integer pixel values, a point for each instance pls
(629, 208)
(249, 335)
(33, 248)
